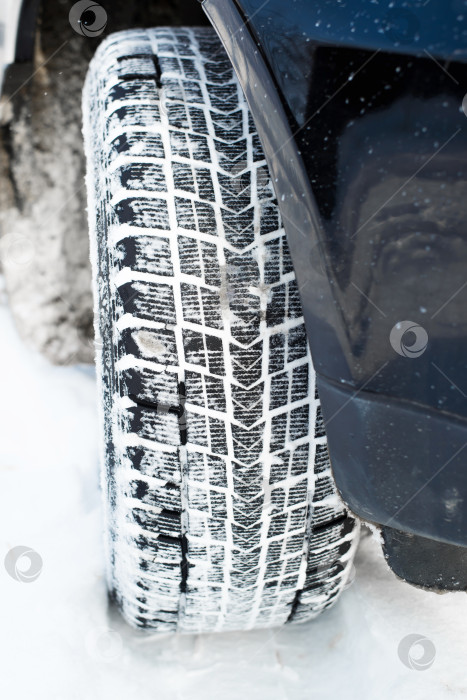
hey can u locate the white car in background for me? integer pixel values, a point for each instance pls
(17, 32)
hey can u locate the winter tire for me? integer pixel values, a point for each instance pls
(221, 509)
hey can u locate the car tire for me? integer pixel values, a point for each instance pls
(221, 510)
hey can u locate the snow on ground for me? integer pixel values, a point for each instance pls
(60, 641)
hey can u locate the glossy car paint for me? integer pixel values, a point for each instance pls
(360, 111)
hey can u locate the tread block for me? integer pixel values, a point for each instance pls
(211, 267)
(194, 347)
(299, 422)
(195, 215)
(149, 343)
(247, 443)
(218, 438)
(212, 309)
(246, 478)
(248, 404)
(141, 65)
(143, 212)
(185, 67)
(136, 143)
(320, 431)
(247, 363)
(224, 97)
(205, 390)
(239, 228)
(148, 301)
(167, 499)
(278, 431)
(150, 385)
(191, 303)
(297, 343)
(138, 89)
(194, 147)
(160, 464)
(197, 430)
(146, 423)
(270, 220)
(184, 90)
(190, 263)
(277, 343)
(145, 254)
(280, 386)
(141, 176)
(132, 115)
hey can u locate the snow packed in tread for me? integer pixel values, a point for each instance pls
(220, 505)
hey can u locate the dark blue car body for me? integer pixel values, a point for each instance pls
(360, 108)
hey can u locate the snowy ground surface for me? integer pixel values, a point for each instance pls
(60, 641)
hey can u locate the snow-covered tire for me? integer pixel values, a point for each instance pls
(221, 509)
